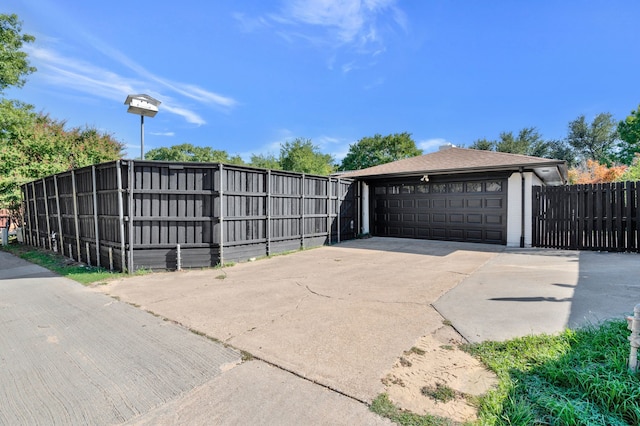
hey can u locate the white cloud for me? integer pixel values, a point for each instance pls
(350, 21)
(249, 24)
(188, 115)
(358, 25)
(430, 145)
(162, 133)
(81, 76)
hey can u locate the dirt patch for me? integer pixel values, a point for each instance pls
(436, 377)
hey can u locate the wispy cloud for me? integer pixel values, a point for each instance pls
(169, 134)
(349, 21)
(84, 77)
(357, 25)
(249, 24)
(79, 75)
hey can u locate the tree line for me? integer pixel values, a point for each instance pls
(34, 145)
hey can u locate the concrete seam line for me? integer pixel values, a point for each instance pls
(227, 345)
(450, 323)
(279, 367)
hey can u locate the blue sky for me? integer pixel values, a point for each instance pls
(244, 76)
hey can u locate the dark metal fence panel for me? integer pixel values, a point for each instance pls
(588, 217)
(128, 215)
(173, 205)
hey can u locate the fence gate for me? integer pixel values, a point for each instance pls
(602, 216)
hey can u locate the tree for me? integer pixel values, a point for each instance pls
(188, 152)
(561, 150)
(35, 145)
(528, 142)
(633, 171)
(268, 161)
(595, 141)
(301, 155)
(523, 144)
(14, 65)
(483, 145)
(593, 172)
(376, 150)
(629, 132)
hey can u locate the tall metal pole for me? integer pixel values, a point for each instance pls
(142, 137)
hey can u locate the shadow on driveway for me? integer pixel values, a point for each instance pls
(531, 291)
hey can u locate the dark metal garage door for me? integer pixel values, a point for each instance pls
(473, 210)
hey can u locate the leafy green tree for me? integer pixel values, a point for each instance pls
(301, 155)
(35, 145)
(561, 150)
(520, 144)
(595, 141)
(629, 132)
(268, 161)
(14, 64)
(528, 142)
(633, 171)
(376, 150)
(188, 152)
(483, 145)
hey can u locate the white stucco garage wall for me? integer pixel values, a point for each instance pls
(364, 190)
(514, 208)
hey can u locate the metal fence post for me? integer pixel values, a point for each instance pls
(96, 228)
(61, 234)
(123, 265)
(46, 210)
(221, 217)
(302, 206)
(28, 209)
(75, 214)
(131, 213)
(268, 212)
(35, 208)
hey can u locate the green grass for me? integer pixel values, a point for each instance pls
(439, 392)
(62, 265)
(579, 377)
(576, 378)
(385, 408)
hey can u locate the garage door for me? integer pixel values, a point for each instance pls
(473, 210)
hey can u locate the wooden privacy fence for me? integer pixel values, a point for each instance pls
(128, 215)
(587, 217)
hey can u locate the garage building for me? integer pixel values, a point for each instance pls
(455, 194)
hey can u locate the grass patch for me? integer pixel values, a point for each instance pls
(385, 408)
(414, 350)
(579, 377)
(62, 265)
(439, 392)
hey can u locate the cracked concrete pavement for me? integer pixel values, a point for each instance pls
(338, 316)
(69, 355)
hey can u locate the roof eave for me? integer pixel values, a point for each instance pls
(561, 165)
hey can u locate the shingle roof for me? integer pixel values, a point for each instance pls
(456, 160)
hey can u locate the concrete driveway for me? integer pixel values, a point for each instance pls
(336, 316)
(341, 315)
(532, 291)
(69, 355)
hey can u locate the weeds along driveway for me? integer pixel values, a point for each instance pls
(338, 315)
